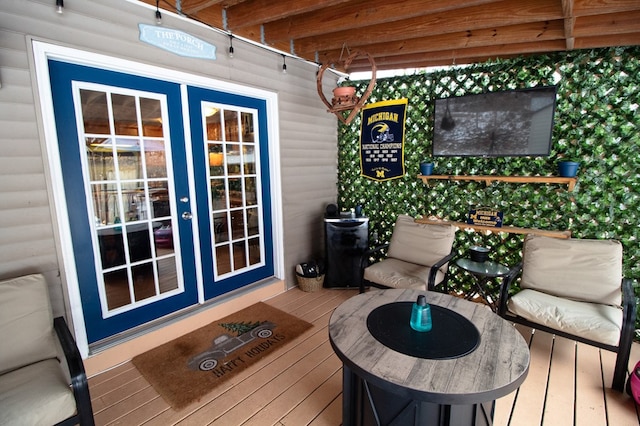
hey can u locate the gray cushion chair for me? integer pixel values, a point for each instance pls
(42, 377)
(417, 257)
(574, 288)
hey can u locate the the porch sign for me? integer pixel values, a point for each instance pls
(382, 140)
(177, 42)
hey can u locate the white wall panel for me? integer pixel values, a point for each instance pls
(308, 134)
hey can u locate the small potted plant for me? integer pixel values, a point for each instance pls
(426, 168)
(344, 95)
(568, 168)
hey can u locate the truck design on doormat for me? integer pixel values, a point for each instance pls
(225, 344)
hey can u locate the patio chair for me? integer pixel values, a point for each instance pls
(42, 378)
(574, 288)
(417, 257)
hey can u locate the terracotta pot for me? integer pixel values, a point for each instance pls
(346, 91)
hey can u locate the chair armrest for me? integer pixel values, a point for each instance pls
(364, 261)
(79, 382)
(431, 282)
(506, 286)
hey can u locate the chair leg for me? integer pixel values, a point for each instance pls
(620, 372)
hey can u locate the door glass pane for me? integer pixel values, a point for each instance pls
(95, 112)
(125, 118)
(151, 113)
(234, 202)
(223, 260)
(231, 125)
(131, 197)
(155, 158)
(247, 127)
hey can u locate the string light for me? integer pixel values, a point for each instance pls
(230, 46)
(284, 64)
(158, 14)
(59, 6)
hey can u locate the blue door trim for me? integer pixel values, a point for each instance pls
(62, 75)
(196, 96)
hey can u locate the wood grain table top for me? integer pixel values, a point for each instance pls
(495, 368)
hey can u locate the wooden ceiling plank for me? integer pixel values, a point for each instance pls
(367, 14)
(421, 27)
(190, 7)
(598, 7)
(211, 16)
(610, 23)
(598, 41)
(460, 55)
(535, 31)
(262, 11)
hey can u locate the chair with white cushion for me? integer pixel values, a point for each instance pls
(574, 288)
(418, 257)
(42, 378)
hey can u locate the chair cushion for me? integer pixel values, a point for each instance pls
(396, 273)
(420, 243)
(26, 322)
(35, 395)
(601, 323)
(579, 269)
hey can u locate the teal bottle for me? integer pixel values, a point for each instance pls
(421, 315)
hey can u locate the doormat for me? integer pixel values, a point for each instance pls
(187, 368)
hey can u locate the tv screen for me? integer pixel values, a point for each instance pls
(496, 124)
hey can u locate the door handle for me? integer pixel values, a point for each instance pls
(187, 215)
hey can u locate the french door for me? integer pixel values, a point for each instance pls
(167, 193)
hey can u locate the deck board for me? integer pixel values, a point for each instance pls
(302, 383)
(560, 387)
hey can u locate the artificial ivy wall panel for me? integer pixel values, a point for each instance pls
(597, 123)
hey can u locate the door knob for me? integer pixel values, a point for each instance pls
(187, 215)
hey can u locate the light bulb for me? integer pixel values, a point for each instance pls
(59, 6)
(158, 14)
(230, 46)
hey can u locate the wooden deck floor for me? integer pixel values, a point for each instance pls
(568, 384)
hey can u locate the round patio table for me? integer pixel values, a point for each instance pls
(385, 385)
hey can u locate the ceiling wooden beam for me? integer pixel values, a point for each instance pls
(262, 11)
(629, 39)
(190, 7)
(597, 7)
(569, 22)
(536, 31)
(430, 25)
(364, 14)
(461, 55)
(610, 23)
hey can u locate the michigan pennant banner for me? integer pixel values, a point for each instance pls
(382, 140)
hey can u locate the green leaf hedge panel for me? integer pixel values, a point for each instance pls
(597, 123)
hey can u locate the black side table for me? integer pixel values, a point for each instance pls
(483, 272)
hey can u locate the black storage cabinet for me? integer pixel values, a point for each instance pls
(346, 239)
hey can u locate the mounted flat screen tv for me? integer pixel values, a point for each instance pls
(510, 123)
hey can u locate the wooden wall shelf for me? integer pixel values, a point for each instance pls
(507, 229)
(488, 179)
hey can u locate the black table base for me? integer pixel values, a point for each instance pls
(365, 404)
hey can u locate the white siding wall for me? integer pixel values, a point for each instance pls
(308, 134)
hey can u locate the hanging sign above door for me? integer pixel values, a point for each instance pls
(176, 41)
